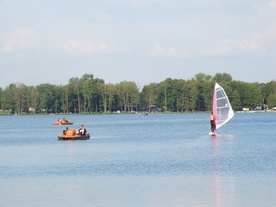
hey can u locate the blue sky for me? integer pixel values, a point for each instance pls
(145, 41)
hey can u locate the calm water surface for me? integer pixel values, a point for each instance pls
(135, 160)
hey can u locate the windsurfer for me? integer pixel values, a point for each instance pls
(212, 121)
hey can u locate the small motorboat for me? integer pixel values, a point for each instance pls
(72, 134)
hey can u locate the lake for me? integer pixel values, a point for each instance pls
(163, 160)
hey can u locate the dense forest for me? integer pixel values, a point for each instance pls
(92, 95)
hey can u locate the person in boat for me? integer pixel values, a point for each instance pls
(212, 121)
(64, 120)
(82, 130)
(58, 121)
(65, 130)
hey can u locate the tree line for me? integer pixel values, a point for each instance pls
(92, 95)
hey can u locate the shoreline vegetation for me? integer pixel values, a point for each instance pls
(134, 113)
(89, 95)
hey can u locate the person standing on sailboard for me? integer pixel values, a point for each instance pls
(212, 121)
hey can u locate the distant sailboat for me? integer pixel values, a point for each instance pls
(221, 107)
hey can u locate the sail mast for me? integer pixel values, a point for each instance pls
(214, 104)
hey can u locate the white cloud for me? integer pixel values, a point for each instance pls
(272, 4)
(8, 48)
(260, 42)
(20, 38)
(74, 47)
(250, 46)
(257, 44)
(158, 50)
(221, 47)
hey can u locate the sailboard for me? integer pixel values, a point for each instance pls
(221, 107)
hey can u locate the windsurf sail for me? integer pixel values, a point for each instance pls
(221, 106)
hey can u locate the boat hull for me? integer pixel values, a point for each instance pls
(74, 137)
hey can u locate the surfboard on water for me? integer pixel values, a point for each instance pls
(221, 107)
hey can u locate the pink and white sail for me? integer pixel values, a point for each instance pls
(221, 106)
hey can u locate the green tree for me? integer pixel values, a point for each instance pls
(57, 92)
(250, 94)
(222, 77)
(65, 99)
(102, 88)
(133, 95)
(177, 93)
(32, 97)
(18, 92)
(1, 94)
(235, 99)
(46, 99)
(165, 88)
(271, 100)
(148, 96)
(75, 94)
(202, 77)
(110, 95)
(7, 100)
(190, 95)
(89, 94)
(128, 95)
(87, 91)
(268, 89)
(97, 94)
(205, 92)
